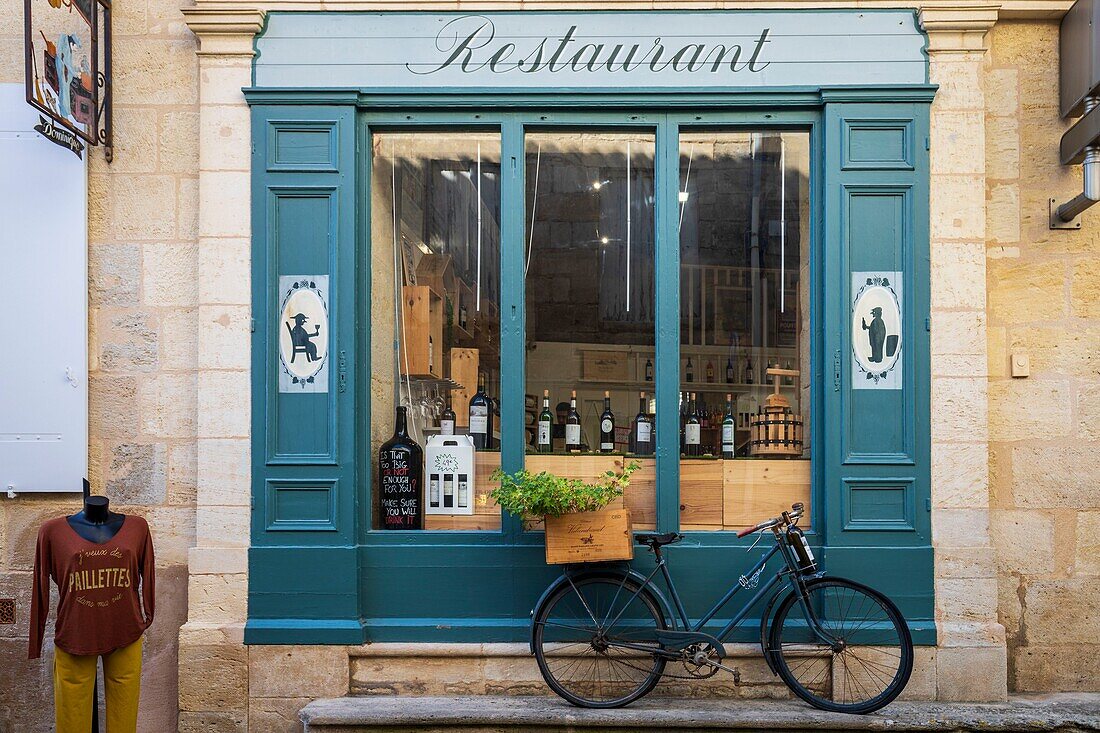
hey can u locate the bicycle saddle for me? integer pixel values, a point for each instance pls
(657, 540)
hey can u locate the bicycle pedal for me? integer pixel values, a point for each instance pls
(732, 670)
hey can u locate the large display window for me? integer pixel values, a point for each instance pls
(589, 281)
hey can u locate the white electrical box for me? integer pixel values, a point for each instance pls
(449, 468)
(44, 248)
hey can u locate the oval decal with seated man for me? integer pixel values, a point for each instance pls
(303, 333)
(876, 330)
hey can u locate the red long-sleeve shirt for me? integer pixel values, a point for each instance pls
(99, 609)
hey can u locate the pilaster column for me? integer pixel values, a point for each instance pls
(971, 661)
(213, 660)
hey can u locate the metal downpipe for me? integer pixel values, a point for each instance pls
(1090, 169)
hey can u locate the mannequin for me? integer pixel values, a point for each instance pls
(103, 566)
(96, 523)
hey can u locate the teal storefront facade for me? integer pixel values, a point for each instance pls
(327, 84)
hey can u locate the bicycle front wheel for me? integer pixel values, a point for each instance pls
(595, 641)
(861, 655)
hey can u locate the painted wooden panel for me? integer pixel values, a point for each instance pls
(872, 504)
(301, 505)
(882, 144)
(877, 224)
(608, 50)
(303, 146)
(876, 436)
(303, 243)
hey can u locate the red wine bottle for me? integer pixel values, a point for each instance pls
(573, 426)
(642, 434)
(607, 425)
(401, 479)
(481, 416)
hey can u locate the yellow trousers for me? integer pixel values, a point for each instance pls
(74, 680)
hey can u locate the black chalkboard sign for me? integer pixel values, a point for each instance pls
(401, 479)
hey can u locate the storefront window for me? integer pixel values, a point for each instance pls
(589, 259)
(435, 321)
(744, 310)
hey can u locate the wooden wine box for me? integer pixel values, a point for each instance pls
(422, 346)
(589, 537)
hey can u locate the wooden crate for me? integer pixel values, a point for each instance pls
(640, 498)
(759, 489)
(464, 366)
(701, 494)
(423, 320)
(609, 366)
(589, 537)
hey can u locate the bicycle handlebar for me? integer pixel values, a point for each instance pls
(786, 518)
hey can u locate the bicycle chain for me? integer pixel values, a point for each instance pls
(669, 675)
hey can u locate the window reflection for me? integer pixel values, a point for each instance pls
(589, 262)
(744, 310)
(435, 234)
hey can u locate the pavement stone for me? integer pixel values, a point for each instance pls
(1047, 712)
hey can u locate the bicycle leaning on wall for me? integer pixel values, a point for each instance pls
(603, 636)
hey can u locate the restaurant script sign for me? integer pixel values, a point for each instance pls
(591, 50)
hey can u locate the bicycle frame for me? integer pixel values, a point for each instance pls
(747, 581)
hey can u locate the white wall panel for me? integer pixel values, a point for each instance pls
(43, 306)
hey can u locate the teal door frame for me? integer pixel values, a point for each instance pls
(478, 586)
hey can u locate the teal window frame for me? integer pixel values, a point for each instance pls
(510, 560)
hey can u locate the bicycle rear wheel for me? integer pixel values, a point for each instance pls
(866, 658)
(577, 633)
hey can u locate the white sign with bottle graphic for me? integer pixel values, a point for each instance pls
(450, 469)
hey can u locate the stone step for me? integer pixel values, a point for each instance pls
(497, 714)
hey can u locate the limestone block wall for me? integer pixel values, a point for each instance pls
(143, 320)
(1044, 431)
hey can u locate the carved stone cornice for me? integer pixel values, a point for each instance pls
(224, 31)
(960, 28)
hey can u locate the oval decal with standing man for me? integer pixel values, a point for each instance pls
(876, 330)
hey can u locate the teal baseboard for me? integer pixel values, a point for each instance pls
(307, 631)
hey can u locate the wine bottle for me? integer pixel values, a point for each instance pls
(749, 371)
(447, 420)
(431, 356)
(710, 371)
(463, 491)
(480, 420)
(573, 425)
(546, 420)
(643, 429)
(729, 370)
(729, 426)
(690, 371)
(788, 379)
(607, 425)
(649, 370)
(462, 317)
(448, 490)
(691, 429)
(400, 478)
(433, 491)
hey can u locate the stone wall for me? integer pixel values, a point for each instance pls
(1043, 301)
(142, 222)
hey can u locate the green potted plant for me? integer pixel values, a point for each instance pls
(579, 526)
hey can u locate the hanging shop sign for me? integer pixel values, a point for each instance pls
(876, 330)
(591, 50)
(68, 70)
(303, 333)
